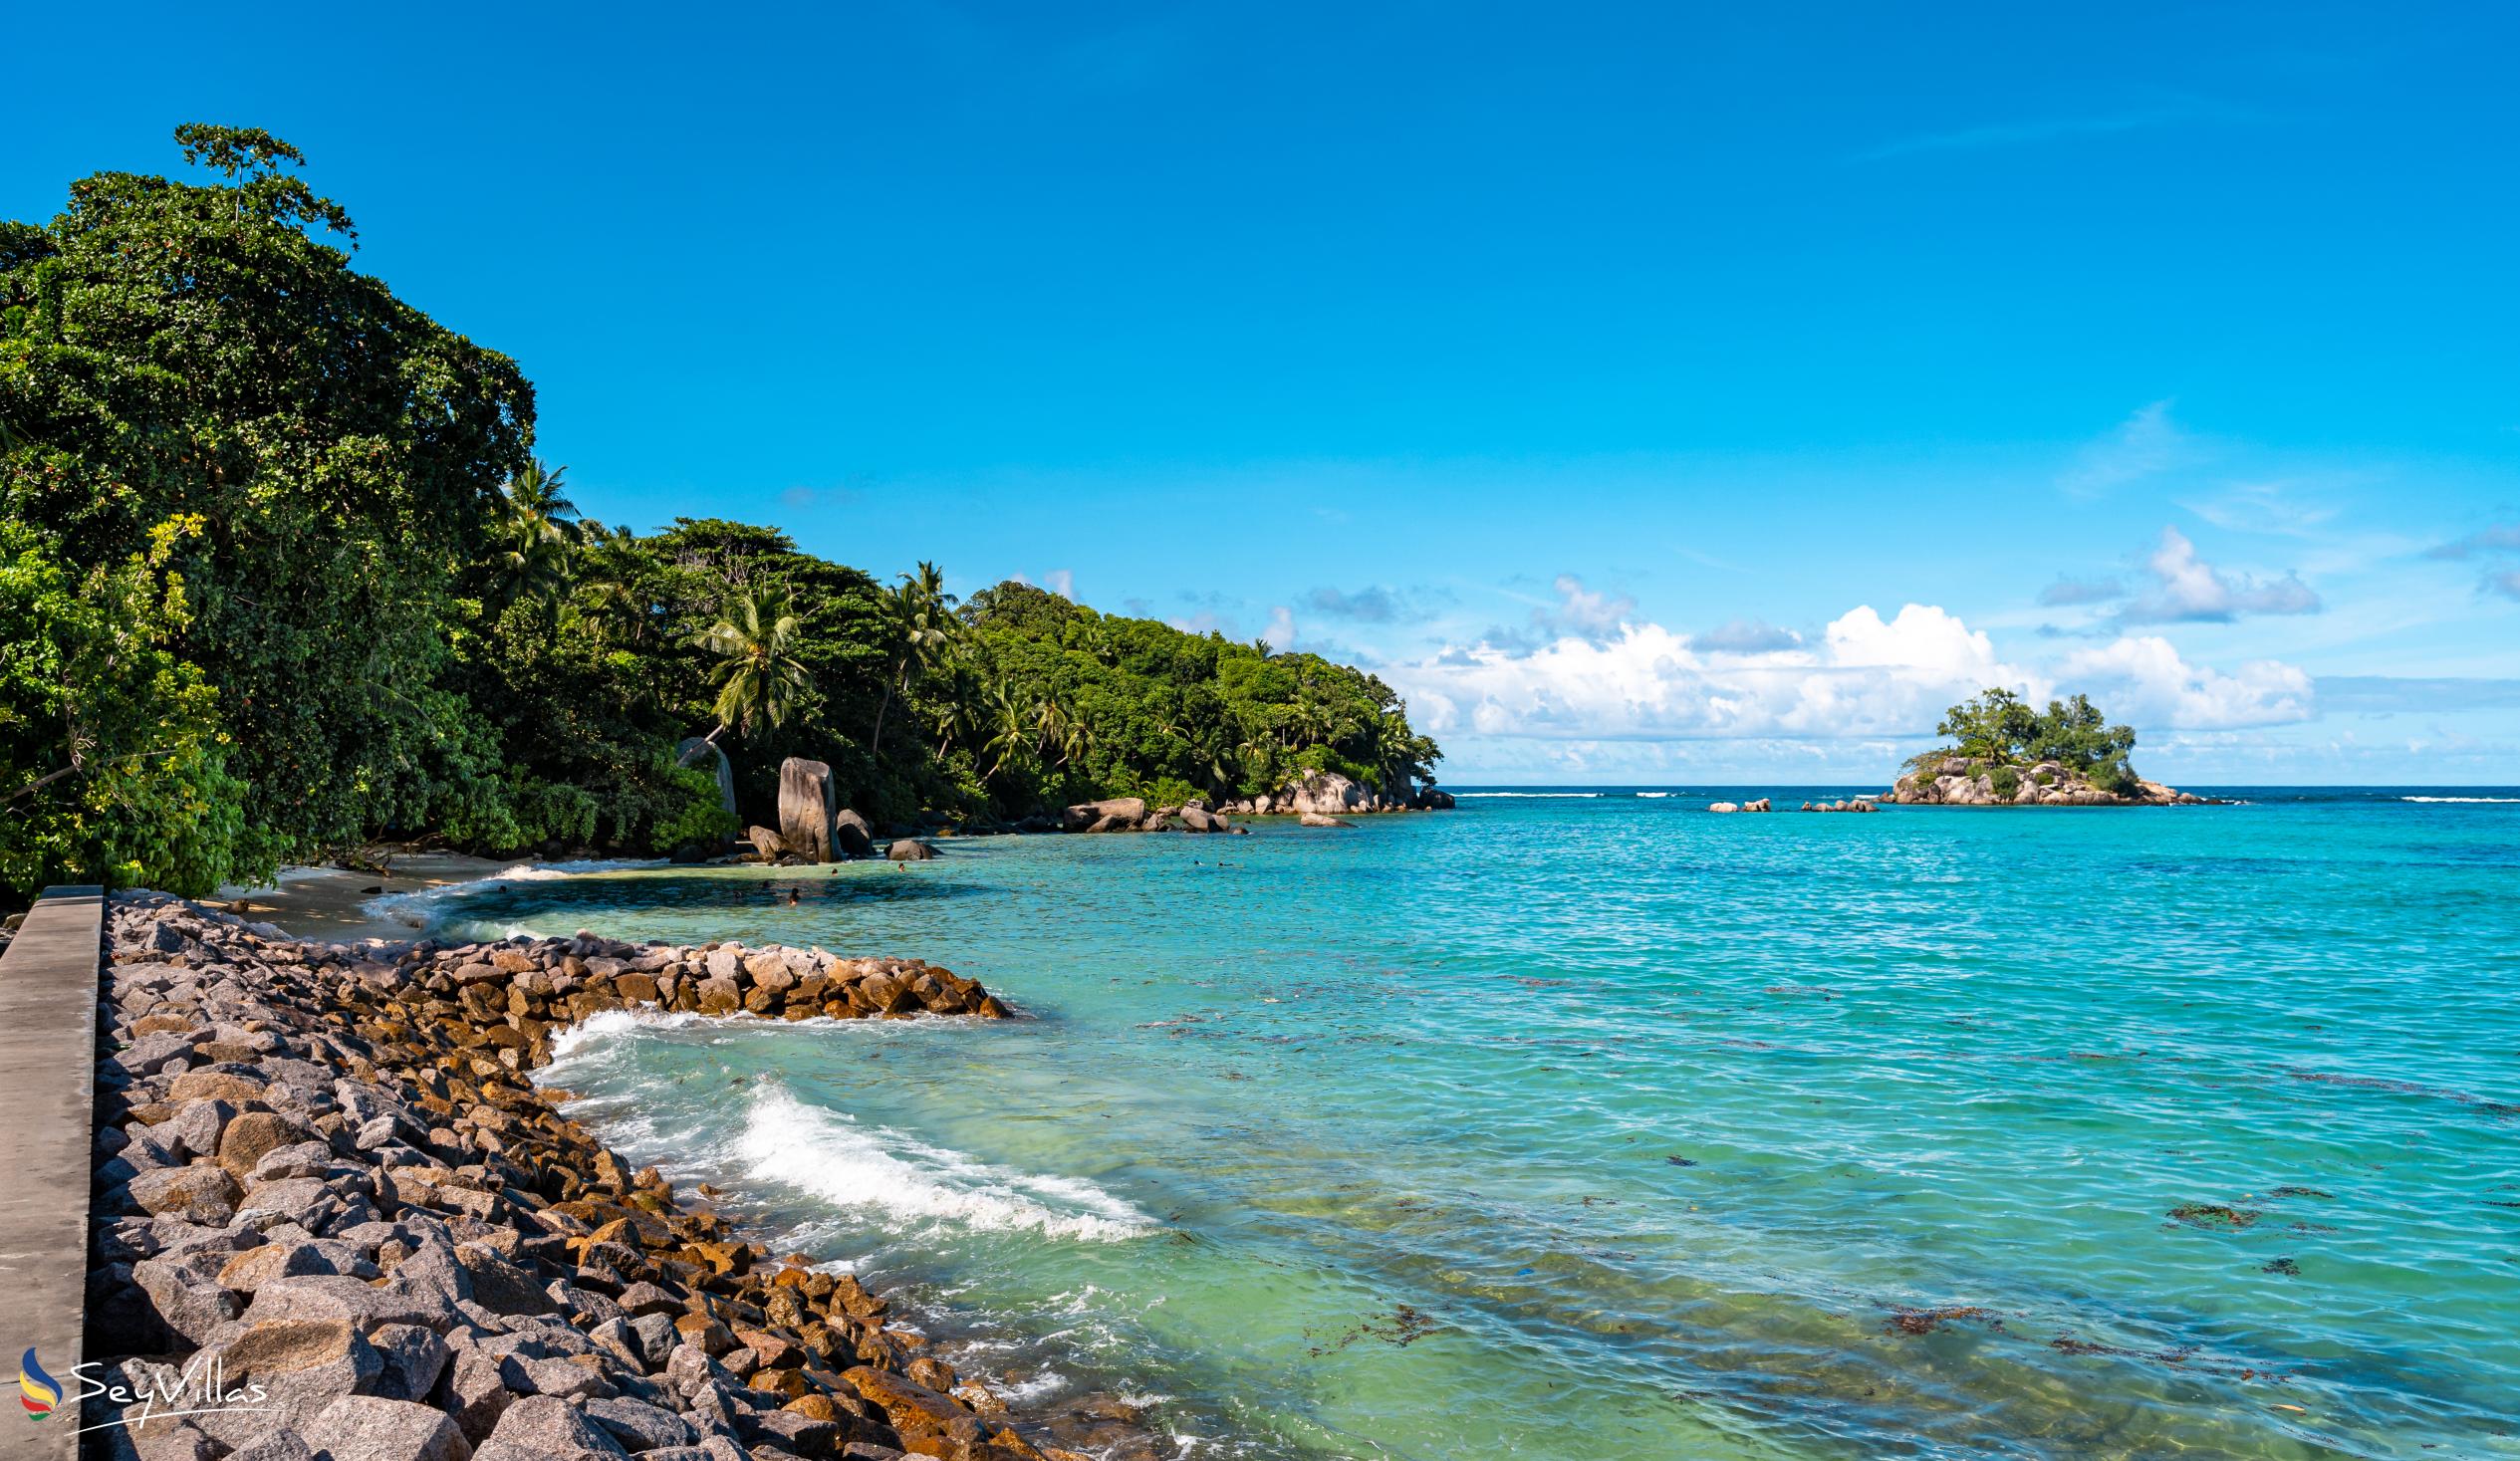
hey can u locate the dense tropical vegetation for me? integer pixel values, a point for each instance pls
(2003, 733)
(280, 574)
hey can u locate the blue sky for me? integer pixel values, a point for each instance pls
(1670, 392)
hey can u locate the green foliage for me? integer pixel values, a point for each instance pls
(2005, 781)
(113, 767)
(2002, 731)
(280, 573)
(1084, 702)
(180, 351)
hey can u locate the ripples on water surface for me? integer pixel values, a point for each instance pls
(1588, 1127)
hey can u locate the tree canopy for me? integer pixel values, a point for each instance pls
(2001, 729)
(280, 574)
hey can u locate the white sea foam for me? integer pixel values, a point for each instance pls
(1579, 796)
(1040, 1388)
(828, 1155)
(2464, 800)
(1652, 795)
(422, 906)
(602, 1023)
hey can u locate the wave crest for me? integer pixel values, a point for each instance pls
(827, 1156)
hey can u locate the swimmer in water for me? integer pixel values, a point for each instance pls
(792, 898)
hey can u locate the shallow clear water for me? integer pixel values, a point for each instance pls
(1603, 1128)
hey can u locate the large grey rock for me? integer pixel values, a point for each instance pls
(698, 749)
(852, 833)
(302, 1366)
(413, 1356)
(805, 807)
(187, 1304)
(909, 849)
(639, 1426)
(498, 1284)
(545, 1426)
(1085, 815)
(478, 1392)
(280, 1444)
(1327, 793)
(255, 1267)
(373, 1428)
(322, 1296)
(197, 1125)
(197, 1194)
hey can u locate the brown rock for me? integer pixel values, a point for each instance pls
(214, 1084)
(201, 1193)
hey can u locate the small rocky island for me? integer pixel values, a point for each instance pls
(2007, 753)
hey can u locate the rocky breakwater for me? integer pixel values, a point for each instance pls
(328, 1192)
(1958, 782)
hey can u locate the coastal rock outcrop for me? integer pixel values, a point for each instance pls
(1960, 782)
(1114, 814)
(910, 850)
(1328, 794)
(324, 1171)
(805, 809)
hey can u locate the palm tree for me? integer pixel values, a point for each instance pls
(1059, 730)
(757, 674)
(535, 526)
(608, 599)
(922, 613)
(1010, 732)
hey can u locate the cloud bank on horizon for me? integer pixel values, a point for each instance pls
(2357, 652)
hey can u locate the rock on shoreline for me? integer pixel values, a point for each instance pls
(325, 1182)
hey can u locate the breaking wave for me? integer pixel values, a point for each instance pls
(827, 1156)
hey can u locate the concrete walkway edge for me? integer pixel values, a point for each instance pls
(48, 1079)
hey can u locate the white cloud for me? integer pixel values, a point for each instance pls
(2146, 444)
(1581, 611)
(2144, 681)
(1281, 631)
(2189, 589)
(1062, 582)
(1864, 675)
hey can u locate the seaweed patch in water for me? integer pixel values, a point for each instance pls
(2215, 1216)
(1406, 1326)
(1926, 1321)
(2284, 1266)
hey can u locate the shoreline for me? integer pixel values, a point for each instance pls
(325, 1168)
(327, 901)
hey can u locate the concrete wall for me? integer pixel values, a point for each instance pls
(48, 1056)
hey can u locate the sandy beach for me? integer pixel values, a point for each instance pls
(332, 902)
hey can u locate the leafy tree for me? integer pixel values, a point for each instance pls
(179, 351)
(112, 765)
(2002, 732)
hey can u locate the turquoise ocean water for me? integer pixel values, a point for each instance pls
(1591, 1127)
